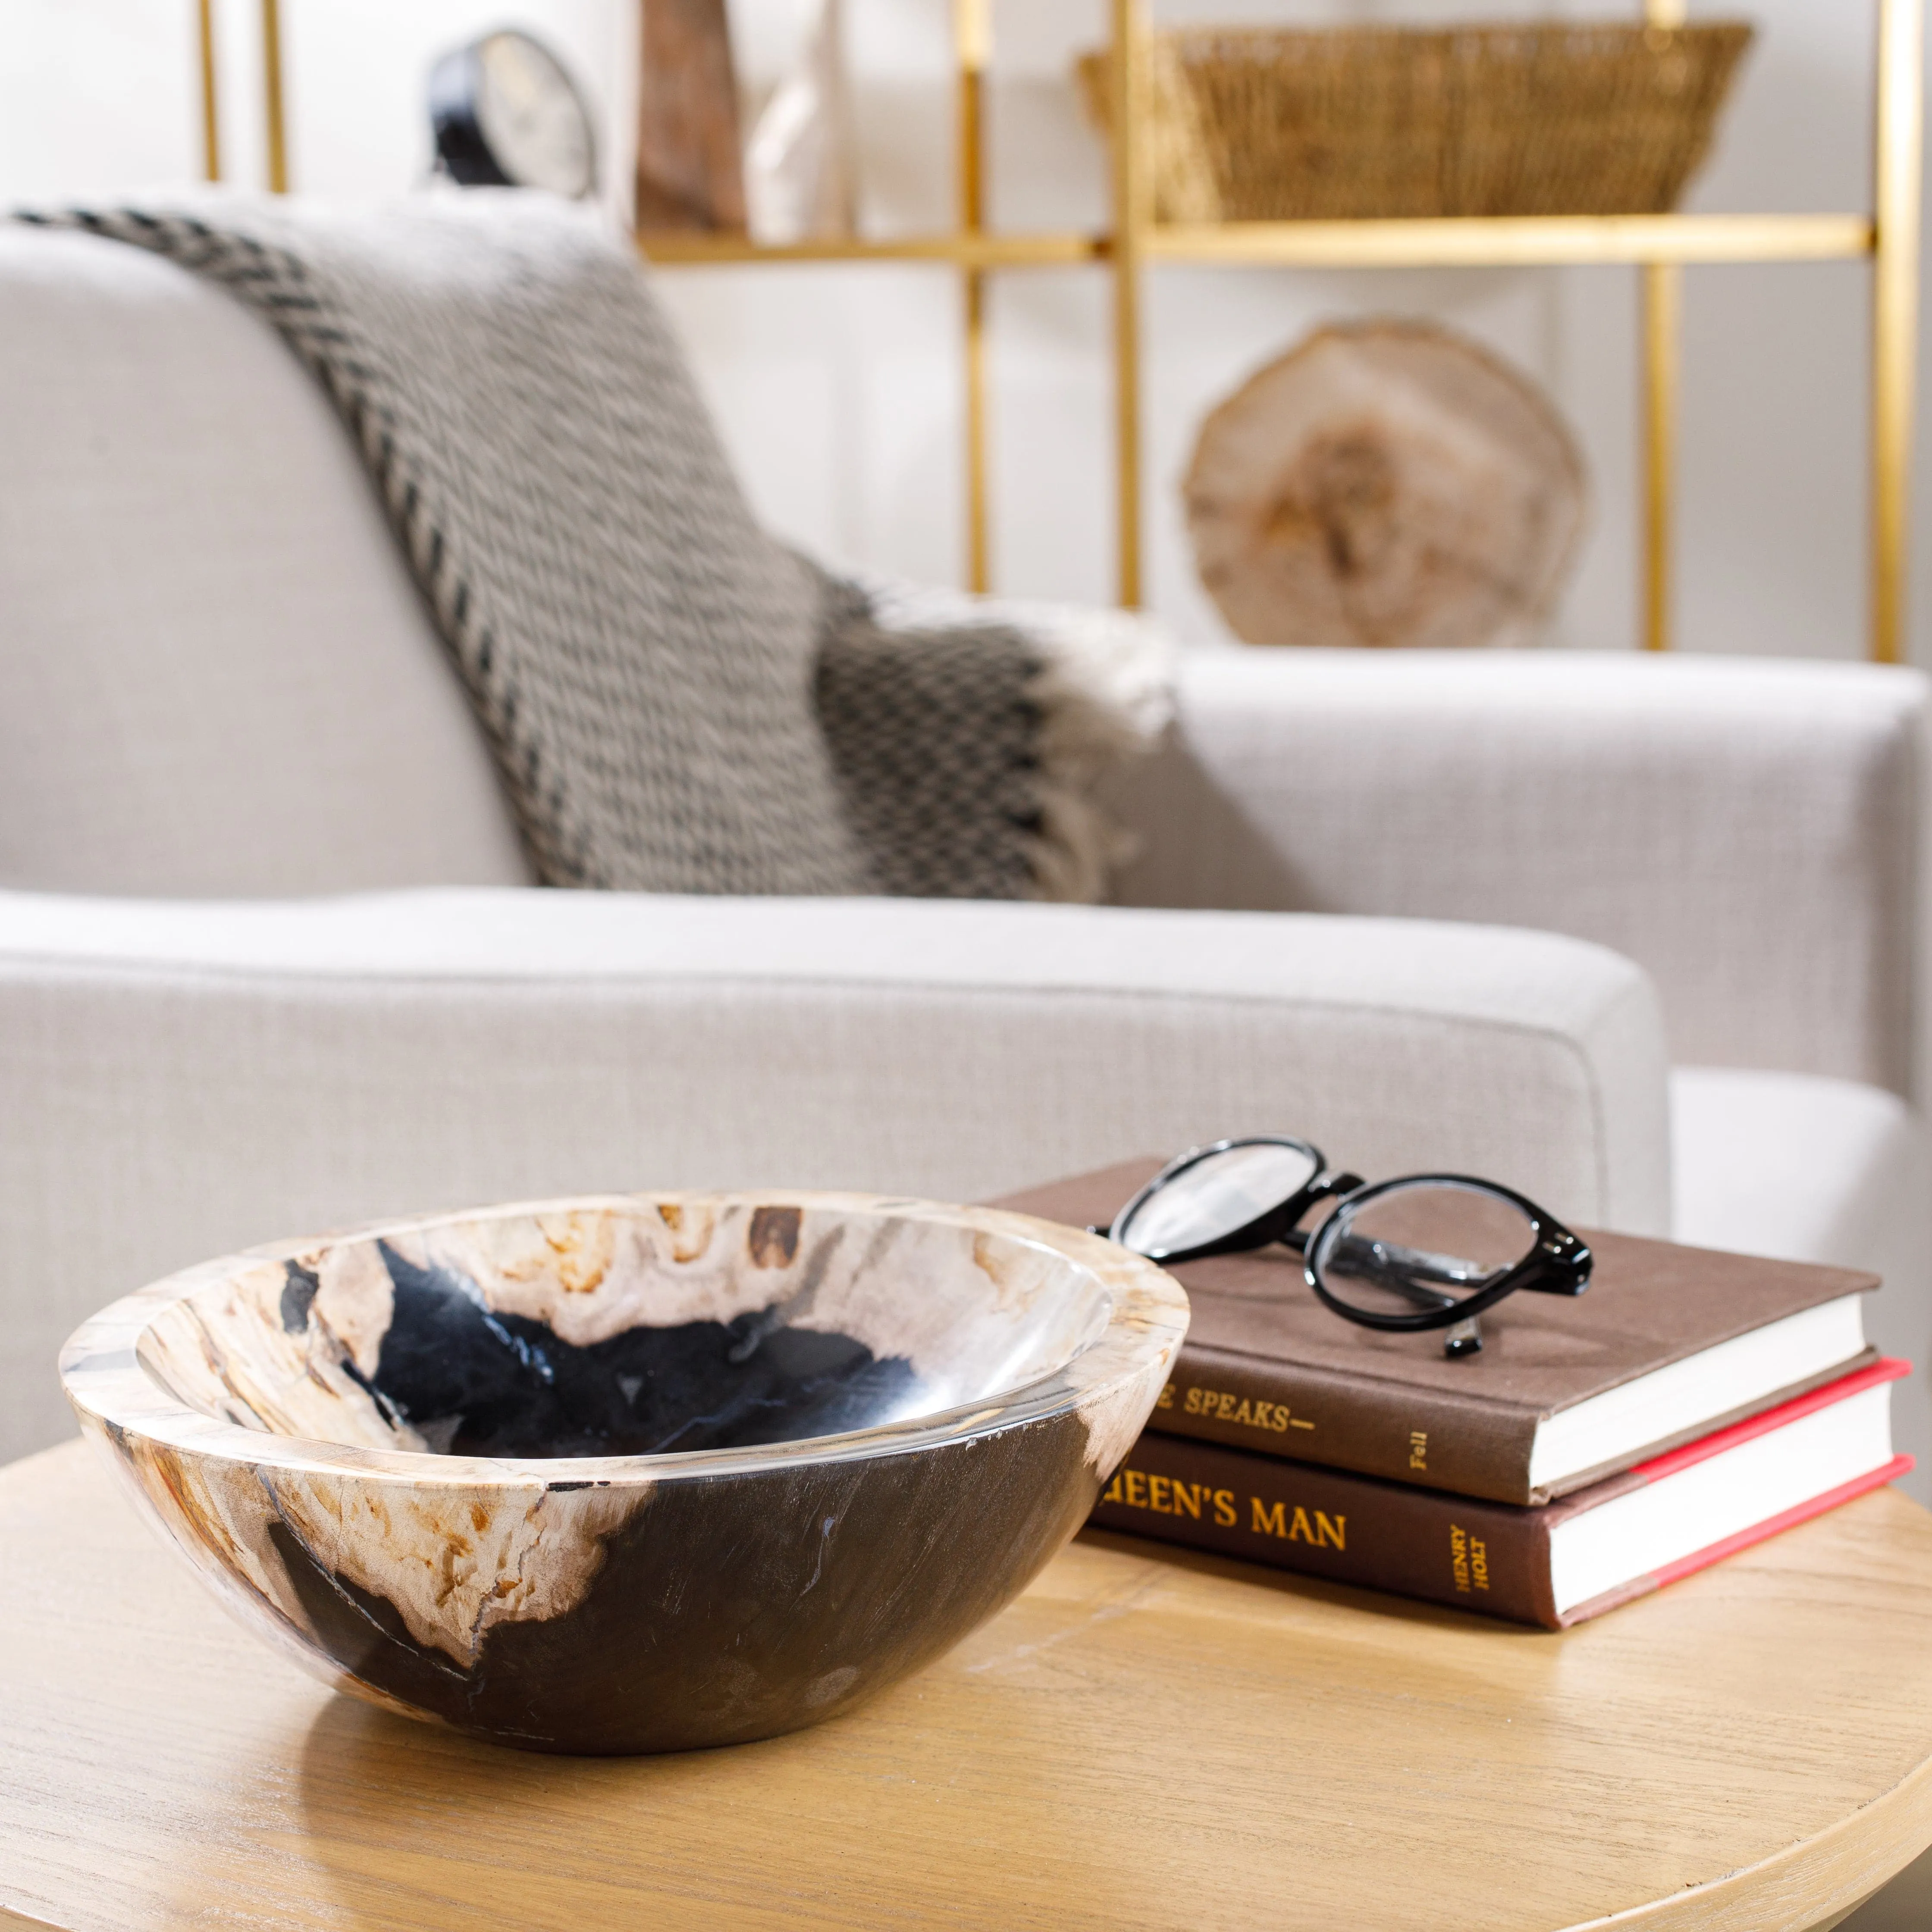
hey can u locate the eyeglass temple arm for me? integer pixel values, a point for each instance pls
(1564, 1277)
(1382, 1262)
(1431, 1266)
(1567, 1277)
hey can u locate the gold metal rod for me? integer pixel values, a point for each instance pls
(972, 27)
(1663, 330)
(670, 248)
(978, 535)
(972, 36)
(1515, 240)
(1132, 213)
(1468, 241)
(273, 112)
(1663, 353)
(1895, 315)
(210, 99)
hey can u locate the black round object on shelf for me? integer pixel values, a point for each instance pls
(506, 114)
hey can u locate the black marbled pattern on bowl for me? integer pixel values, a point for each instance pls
(638, 1473)
(473, 1382)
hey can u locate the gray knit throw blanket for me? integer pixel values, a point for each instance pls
(678, 702)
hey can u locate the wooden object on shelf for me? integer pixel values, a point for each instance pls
(1550, 117)
(1385, 483)
(689, 173)
(1145, 1739)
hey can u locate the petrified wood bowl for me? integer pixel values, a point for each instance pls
(633, 1473)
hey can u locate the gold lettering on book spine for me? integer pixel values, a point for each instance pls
(1174, 1496)
(1170, 1496)
(1322, 1530)
(1245, 1412)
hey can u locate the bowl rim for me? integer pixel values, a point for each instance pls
(109, 1387)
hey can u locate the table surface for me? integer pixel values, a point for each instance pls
(1144, 1739)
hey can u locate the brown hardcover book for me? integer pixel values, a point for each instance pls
(1669, 1344)
(1556, 1565)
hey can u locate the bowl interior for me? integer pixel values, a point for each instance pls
(637, 1326)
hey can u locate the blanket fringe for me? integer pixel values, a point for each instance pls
(1104, 693)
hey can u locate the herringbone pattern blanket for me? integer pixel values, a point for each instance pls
(678, 702)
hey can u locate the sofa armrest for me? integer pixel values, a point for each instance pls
(1747, 831)
(184, 1079)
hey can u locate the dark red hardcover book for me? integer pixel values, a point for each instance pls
(1555, 1565)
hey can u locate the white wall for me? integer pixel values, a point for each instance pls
(837, 388)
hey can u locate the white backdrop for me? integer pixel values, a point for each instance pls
(839, 388)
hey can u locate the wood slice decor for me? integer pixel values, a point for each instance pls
(1385, 483)
(689, 173)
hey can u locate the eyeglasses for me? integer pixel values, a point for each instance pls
(1424, 1251)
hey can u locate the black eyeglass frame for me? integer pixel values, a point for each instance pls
(1559, 1261)
(1277, 1224)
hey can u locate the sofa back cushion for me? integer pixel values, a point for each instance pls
(215, 675)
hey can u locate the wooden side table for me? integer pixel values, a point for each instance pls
(1144, 1740)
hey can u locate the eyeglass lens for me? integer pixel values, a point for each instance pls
(1222, 1191)
(1419, 1247)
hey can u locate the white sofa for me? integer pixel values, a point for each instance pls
(1637, 937)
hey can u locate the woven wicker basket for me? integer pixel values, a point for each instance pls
(1546, 117)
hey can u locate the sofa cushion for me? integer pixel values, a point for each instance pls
(215, 674)
(1748, 831)
(184, 1079)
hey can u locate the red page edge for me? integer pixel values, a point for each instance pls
(1759, 1532)
(1887, 1369)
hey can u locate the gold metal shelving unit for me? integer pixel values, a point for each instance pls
(274, 124)
(1662, 245)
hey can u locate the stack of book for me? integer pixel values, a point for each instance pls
(1691, 1404)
